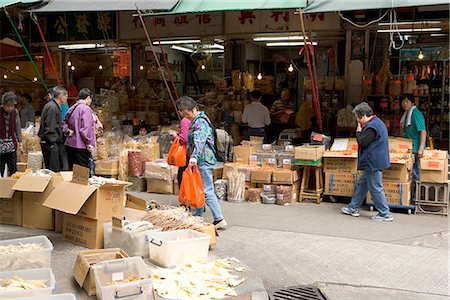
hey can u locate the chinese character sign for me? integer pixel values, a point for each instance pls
(121, 63)
(75, 27)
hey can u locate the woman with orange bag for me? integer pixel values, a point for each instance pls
(183, 136)
(201, 152)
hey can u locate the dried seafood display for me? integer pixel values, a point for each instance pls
(139, 226)
(204, 280)
(269, 194)
(35, 161)
(17, 284)
(174, 219)
(19, 175)
(254, 195)
(9, 249)
(236, 186)
(135, 167)
(220, 188)
(284, 195)
(131, 278)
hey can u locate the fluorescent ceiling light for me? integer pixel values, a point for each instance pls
(180, 48)
(81, 46)
(411, 23)
(438, 34)
(278, 38)
(409, 30)
(171, 42)
(213, 46)
(212, 51)
(288, 44)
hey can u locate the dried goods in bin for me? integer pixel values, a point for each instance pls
(254, 195)
(135, 167)
(220, 188)
(284, 194)
(16, 284)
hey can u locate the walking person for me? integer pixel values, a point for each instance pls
(50, 131)
(256, 115)
(10, 133)
(373, 157)
(79, 126)
(185, 123)
(27, 115)
(414, 128)
(201, 152)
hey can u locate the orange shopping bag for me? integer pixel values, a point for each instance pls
(177, 154)
(191, 190)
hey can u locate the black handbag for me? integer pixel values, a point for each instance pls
(7, 146)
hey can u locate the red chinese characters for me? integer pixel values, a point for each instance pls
(204, 19)
(247, 15)
(283, 14)
(181, 20)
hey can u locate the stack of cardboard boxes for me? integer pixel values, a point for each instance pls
(160, 177)
(265, 166)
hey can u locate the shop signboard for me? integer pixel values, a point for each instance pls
(97, 26)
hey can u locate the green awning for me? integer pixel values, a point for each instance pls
(319, 6)
(5, 3)
(199, 6)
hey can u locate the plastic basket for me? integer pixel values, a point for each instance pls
(31, 274)
(27, 259)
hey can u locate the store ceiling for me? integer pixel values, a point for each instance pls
(5, 3)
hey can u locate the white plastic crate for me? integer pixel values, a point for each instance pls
(49, 297)
(120, 269)
(134, 244)
(107, 231)
(171, 248)
(28, 259)
(32, 274)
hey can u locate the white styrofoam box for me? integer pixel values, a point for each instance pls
(120, 269)
(28, 259)
(134, 244)
(49, 297)
(171, 248)
(107, 231)
(31, 274)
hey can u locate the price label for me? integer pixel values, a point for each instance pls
(267, 188)
(272, 161)
(287, 162)
(253, 158)
(289, 148)
(266, 146)
(117, 276)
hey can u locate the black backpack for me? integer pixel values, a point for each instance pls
(223, 143)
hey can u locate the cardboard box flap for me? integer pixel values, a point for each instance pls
(432, 165)
(69, 197)
(136, 203)
(34, 184)
(80, 270)
(66, 175)
(345, 153)
(116, 184)
(6, 187)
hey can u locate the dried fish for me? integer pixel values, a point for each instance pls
(174, 219)
(9, 249)
(16, 284)
(130, 278)
(220, 188)
(201, 280)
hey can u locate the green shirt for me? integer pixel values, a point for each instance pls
(413, 131)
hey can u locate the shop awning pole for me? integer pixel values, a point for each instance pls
(155, 30)
(26, 50)
(157, 61)
(309, 53)
(50, 57)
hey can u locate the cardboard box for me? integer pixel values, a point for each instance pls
(160, 169)
(397, 193)
(36, 189)
(6, 187)
(246, 169)
(399, 145)
(217, 174)
(434, 166)
(108, 167)
(11, 210)
(83, 231)
(136, 203)
(212, 232)
(76, 197)
(59, 216)
(159, 186)
(283, 176)
(348, 145)
(83, 269)
(242, 154)
(338, 164)
(340, 184)
(309, 152)
(260, 175)
(399, 171)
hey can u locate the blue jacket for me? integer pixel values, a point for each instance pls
(375, 157)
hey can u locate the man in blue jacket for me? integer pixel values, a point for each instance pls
(373, 157)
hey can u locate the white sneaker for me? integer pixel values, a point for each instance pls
(221, 224)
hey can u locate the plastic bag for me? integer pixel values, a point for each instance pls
(191, 190)
(177, 154)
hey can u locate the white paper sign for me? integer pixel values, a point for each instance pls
(339, 145)
(287, 162)
(267, 188)
(272, 161)
(253, 158)
(117, 276)
(289, 148)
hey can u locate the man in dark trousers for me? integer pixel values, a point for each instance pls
(373, 157)
(50, 131)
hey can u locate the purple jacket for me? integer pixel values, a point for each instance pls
(79, 119)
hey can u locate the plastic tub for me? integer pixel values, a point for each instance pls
(28, 259)
(50, 297)
(120, 269)
(134, 244)
(107, 232)
(32, 274)
(171, 248)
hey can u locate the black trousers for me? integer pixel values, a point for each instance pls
(275, 130)
(9, 159)
(77, 156)
(53, 156)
